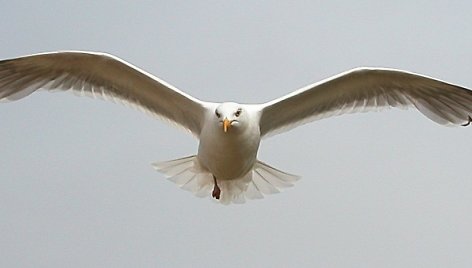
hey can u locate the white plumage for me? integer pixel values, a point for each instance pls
(226, 164)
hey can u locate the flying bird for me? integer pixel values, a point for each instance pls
(226, 165)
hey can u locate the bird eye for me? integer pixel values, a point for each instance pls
(217, 114)
(238, 112)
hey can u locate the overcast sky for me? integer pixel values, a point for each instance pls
(382, 189)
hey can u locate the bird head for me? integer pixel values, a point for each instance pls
(230, 116)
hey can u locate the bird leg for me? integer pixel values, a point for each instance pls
(216, 190)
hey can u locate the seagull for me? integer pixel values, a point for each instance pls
(226, 164)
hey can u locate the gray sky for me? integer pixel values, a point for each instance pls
(387, 189)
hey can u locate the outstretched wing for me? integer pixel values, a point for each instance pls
(99, 75)
(366, 89)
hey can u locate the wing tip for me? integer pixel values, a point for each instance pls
(469, 120)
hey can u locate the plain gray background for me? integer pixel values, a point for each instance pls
(386, 189)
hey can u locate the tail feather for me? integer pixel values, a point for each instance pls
(174, 167)
(190, 176)
(187, 174)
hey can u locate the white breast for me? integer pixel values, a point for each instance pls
(228, 155)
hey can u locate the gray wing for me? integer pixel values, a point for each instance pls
(366, 89)
(99, 75)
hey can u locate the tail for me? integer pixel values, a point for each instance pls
(187, 174)
(262, 179)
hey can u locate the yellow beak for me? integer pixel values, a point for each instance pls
(226, 125)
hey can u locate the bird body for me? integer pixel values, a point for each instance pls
(229, 155)
(226, 163)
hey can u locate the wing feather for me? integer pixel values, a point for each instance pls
(367, 89)
(101, 76)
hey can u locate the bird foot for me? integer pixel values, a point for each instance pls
(216, 190)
